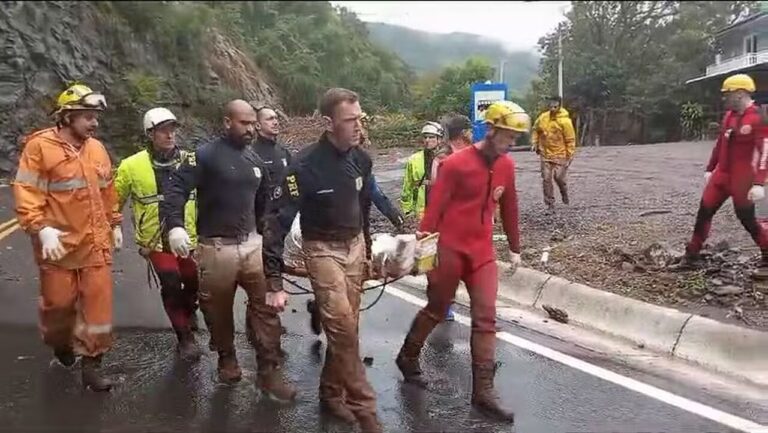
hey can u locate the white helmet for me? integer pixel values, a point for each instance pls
(433, 129)
(157, 116)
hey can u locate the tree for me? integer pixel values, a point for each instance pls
(451, 91)
(626, 63)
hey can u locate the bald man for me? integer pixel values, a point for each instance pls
(231, 183)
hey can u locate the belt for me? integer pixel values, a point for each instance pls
(224, 240)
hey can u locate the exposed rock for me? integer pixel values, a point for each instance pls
(660, 254)
(556, 313)
(628, 267)
(728, 290)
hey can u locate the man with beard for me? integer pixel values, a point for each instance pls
(65, 200)
(231, 185)
(144, 178)
(471, 183)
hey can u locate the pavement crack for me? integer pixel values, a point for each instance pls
(680, 334)
(540, 290)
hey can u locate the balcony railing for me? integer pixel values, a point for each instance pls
(740, 62)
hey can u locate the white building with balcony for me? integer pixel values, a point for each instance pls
(743, 49)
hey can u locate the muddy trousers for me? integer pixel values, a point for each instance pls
(75, 309)
(178, 288)
(336, 273)
(482, 285)
(554, 172)
(223, 264)
(717, 191)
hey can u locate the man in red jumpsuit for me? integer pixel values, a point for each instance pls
(737, 169)
(470, 183)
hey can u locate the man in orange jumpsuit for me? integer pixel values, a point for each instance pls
(470, 184)
(64, 200)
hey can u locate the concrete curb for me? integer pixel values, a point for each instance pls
(722, 347)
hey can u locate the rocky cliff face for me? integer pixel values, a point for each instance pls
(46, 45)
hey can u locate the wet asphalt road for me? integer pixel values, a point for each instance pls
(158, 393)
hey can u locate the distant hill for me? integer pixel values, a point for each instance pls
(425, 52)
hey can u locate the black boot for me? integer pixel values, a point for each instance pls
(188, 348)
(66, 357)
(408, 358)
(92, 376)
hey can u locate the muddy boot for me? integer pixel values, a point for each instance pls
(484, 396)
(566, 200)
(338, 409)
(408, 358)
(229, 370)
(272, 383)
(689, 262)
(188, 349)
(314, 317)
(93, 379)
(66, 357)
(369, 423)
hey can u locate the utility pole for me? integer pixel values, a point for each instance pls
(501, 71)
(560, 64)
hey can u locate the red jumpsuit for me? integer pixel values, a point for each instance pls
(739, 161)
(461, 207)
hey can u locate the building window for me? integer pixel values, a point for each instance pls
(750, 44)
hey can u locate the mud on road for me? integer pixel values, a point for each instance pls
(624, 200)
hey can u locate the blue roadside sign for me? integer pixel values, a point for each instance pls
(483, 95)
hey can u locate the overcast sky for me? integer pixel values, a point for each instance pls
(518, 25)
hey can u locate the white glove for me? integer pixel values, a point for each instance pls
(707, 175)
(52, 248)
(117, 237)
(179, 241)
(515, 260)
(756, 193)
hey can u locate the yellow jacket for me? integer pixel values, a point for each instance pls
(554, 136)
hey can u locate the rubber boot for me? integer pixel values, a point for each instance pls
(369, 423)
(229, 370)
(408, 358)
(272, 383)
(338, 409)
(484, 398)
(188, 349)
(92, 377)
(66, 357)
(691, 260)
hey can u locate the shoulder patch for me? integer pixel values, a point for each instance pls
(293, 185)
(191, 159)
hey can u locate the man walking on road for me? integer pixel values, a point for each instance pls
(144, 178)
(231, 185)
(472, 182)
(554, 139)
(65, 200)
(329, 184)
(738, 168)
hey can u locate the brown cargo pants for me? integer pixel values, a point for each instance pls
(554, 171)
(223, 265)
(336, 273)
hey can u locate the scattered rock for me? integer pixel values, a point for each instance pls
(708, 298)
(627, 267)
(721, 247)
(557, 236)
(556, 313)
(728, 290)
(716, 282)
(641, 346)
(556, 268)
(742, 260)
(655, 212)
(659, 254)
(368, 361)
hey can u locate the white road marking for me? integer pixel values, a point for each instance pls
(691, 406)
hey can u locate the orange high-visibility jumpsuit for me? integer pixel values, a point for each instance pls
(71, 190)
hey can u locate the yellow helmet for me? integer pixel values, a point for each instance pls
(80, 97)
(739, 82)
(508, 115)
